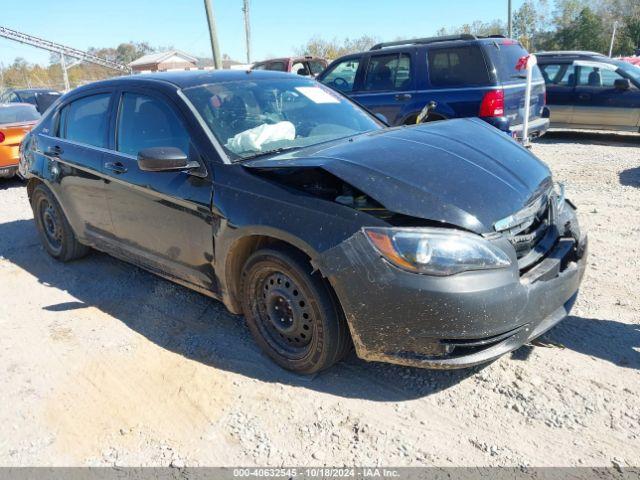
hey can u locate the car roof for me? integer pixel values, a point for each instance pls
(571, 54)
(33, 90)
(190, 78)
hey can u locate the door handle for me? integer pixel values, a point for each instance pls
(403, 96)
(584, 96)
(54, 151)
(115, 167)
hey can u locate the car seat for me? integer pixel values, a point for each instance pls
(595, 78)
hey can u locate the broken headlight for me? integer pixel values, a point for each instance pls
(436, 251)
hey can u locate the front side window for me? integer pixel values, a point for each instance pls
(257, 116)
(316, 66)
(86, 120)
(299, 68)
(146, 122)
(597, 77)
(388, 72)
(343, 75)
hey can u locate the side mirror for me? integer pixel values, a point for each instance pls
(622, 84)
(164, 159)
(382, 118)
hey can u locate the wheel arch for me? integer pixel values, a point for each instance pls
(243, 246)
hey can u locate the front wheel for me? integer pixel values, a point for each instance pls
(55, 232)
(291, 313)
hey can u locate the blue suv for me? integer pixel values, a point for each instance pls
(465, 75)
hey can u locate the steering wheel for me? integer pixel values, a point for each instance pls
(340, 83)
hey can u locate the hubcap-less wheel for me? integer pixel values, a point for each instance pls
(51, 224)
(285, 318)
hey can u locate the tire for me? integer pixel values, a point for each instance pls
(56, 234)
(291, 313)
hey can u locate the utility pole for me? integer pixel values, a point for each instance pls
(613, 37)
(509, 20)
(215, 49)
(247, 29)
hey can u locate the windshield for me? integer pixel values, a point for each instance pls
(258, 116)
(506, 55)
(18, 114)
(629, 70)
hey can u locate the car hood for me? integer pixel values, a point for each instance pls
(461, 172)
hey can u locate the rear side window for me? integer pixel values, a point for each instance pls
(18, 113)
(277, 66)
(559, 74)
(343, 75)
(388, 72)
(457, 66)
(146, 122)
(86, 120)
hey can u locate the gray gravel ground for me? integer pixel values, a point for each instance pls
(102, 363)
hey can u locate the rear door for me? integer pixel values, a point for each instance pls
(599, 103)
(560, 83)
(388, 85)
(163, 219)
(77, 146)
(505, 55)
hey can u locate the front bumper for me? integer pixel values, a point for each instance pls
(449, 322)
(8, 171)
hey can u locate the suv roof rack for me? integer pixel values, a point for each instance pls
(422, 41)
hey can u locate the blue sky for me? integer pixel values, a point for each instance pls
(278, 26)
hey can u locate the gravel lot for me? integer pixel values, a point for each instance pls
(102, 363)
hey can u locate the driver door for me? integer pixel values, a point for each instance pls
(162, 219)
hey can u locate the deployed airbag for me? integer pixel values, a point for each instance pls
(252, 140)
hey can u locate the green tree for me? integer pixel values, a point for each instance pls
(335, 48)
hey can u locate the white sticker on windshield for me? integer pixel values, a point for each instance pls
(317, 95)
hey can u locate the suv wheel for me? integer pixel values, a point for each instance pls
(291, 313)
(55, 232)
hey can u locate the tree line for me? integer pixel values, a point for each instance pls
(537, 24)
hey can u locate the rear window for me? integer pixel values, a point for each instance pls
(505, 57)
(18, 113)
(457, 66)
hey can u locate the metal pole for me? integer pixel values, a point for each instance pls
(509, 20)
(613, 36)
(215, 49)
(65, 76)
(247, 29)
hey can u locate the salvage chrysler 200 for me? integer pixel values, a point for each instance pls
(441, 245)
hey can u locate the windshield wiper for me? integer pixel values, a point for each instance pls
(270, 152)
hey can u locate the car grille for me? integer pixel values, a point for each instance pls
(531, 231)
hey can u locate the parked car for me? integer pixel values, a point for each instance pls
(307, 65)
(438, 245)
(465, 75)
(587, 90)
(16, 119)
(41, 98)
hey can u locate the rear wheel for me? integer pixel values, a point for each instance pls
(291, 313)
(55, 232)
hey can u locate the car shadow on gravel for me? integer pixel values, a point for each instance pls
(592, 138)
(8, 183)
(609, 340)
(201, 329)
(630, 177)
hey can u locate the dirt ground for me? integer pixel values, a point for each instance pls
(102, 363)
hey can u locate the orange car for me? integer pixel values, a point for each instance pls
(16, 119)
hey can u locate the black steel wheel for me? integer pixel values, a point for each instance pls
(55, 232)
(291, 313)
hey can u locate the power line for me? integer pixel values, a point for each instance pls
(61, 49)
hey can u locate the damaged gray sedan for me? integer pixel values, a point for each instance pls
(441, 245)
